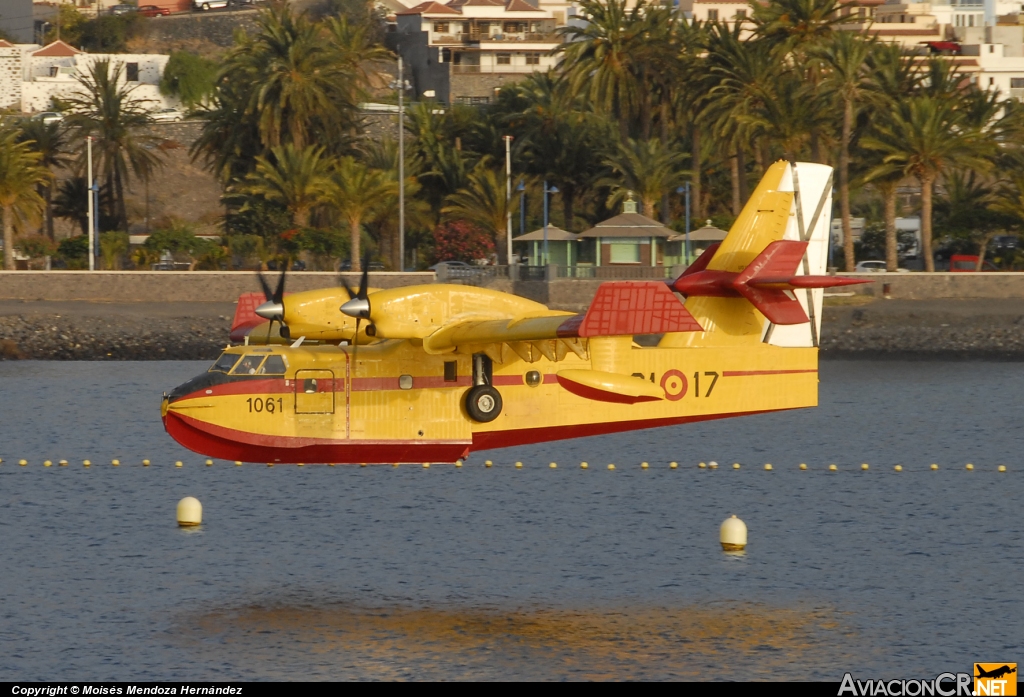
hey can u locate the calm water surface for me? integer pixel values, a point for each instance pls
(378, 572)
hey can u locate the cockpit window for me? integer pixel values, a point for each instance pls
(274, 365)
(249, 365)
(225, 363)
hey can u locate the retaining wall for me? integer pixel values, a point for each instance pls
(171, 286)
(936, 286)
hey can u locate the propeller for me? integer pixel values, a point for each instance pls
(358, 303)
(273, 308)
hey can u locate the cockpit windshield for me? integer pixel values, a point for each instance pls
(225, 363)
(274, 365)
(249, 365)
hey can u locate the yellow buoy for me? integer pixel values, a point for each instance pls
(115, 463)
(643, 465)
(611, 467)
(803, 465)
(864, 467)
(362, 464)
(85, 463)
(733, 535)
(299, 464)
(1002, 468)
(898, 468)
(179, 464)
(673, 465)
(426, 465)
(735, 465)
(22, 462)
(145, 463)
(270, 464)
(238, 463)
(487, 463)
(458, 463)
(833, 468)
(519, 465)
(47, 464)
(969, 467)
(584, 465)
(934, 466)
(63, 463)
(553, 465)
(393, 464)
(702, 465)
(190, 512)
(768, 468)
(209, 463)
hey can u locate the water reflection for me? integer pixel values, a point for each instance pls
(716, 641)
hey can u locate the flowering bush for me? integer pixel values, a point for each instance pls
(461, 241)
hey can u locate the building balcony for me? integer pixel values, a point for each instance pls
(487, 69)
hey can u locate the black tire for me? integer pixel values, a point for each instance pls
(483, 403)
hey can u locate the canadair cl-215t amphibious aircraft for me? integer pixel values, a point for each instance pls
(432, 372)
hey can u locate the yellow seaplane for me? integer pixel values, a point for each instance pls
(433, 372)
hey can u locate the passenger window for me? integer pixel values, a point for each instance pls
(248, 365)
(225, 363)
(274, 365)
(309, 385)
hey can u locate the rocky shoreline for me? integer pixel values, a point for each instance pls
(864, 329)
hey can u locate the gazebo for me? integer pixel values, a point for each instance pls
(627, 239)
(560, 246)
(700, 240)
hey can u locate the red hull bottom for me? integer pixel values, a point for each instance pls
(388, 452)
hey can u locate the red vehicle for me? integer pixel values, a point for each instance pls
(153, 11)
(968, 263)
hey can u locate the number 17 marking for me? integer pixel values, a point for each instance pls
(696, 383)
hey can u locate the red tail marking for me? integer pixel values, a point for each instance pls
(701, 262)
(245, 315)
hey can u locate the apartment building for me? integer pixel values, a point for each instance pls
(465, 50)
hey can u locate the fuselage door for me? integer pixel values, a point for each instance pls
(314, 392)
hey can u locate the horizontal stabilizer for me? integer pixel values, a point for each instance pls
(245, 315)
(629, 308)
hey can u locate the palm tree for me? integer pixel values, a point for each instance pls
(601, 57)
(298, 178)
(72, 202)
(483, 203)
(107, 112)
(21, 175)
(50, 141)
(358, 193)
(646, 169)
(846, 57)
(795, 24)
(921, 137)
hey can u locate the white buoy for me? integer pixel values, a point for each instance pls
(713, 465)
(190, 512)
(733, 535)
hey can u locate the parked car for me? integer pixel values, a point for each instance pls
(206, 5)
(49, 117)
(153, 11)
(168, 114)
(122, 9)
(373, 266)
(455, 269)
(968, 263)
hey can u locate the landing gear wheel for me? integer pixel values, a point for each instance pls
(483, 403)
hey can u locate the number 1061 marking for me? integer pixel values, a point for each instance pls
(269, 405)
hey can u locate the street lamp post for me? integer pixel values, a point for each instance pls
(401, 166)
(685, 190)
(552, 190)
(522, 206)
(508, 198)
(92, 211)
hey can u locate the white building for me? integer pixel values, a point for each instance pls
(31, 75)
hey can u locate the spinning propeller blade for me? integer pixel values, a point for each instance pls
(273, 308)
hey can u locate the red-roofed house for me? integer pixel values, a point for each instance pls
(464, 50)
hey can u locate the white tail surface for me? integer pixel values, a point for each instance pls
(810, 220)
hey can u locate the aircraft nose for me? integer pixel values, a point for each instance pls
(270, 310)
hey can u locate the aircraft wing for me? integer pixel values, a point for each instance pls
(620, 308)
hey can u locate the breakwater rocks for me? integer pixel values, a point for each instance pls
(126, 332)
(855, 328)
(965, 329)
